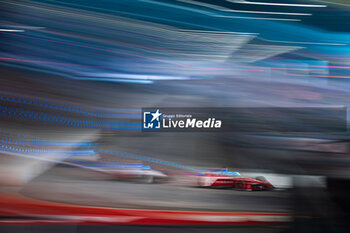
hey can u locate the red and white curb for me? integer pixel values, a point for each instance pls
(18, 210)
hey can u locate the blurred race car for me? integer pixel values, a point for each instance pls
(222, 178)
(130, 171)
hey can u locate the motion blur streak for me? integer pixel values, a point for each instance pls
(174, 116)
(217, 15)
(275, 4)
(225, 9)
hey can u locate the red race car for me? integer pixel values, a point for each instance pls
(222, 178)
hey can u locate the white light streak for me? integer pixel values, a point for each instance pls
(219, 8)
(275, 4)
(214, 15)
(303, 42)
(10, 30)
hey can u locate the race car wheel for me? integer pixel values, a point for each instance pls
(240, 184)
(257, 187)
(148, 179)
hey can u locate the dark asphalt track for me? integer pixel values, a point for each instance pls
(69, 186)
